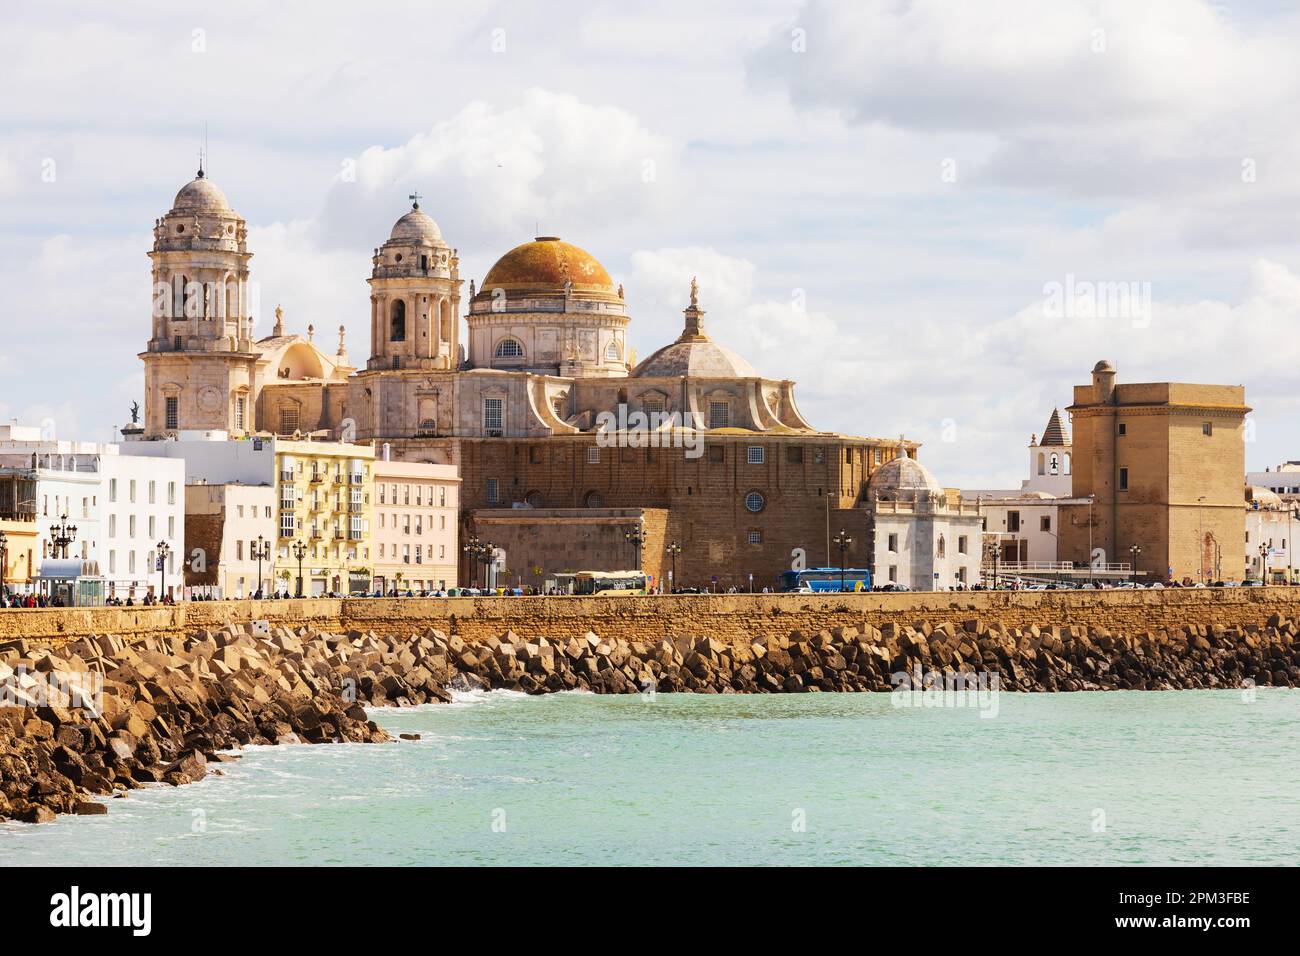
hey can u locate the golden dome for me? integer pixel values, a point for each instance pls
(545, 266)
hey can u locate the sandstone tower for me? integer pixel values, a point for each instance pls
(199, 363)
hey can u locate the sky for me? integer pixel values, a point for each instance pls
(935, 217)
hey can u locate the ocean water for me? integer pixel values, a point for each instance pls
(1178, 777)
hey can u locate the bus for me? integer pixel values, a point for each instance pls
(618, 583)
(826, 579)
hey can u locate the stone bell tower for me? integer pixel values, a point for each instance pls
(199, 363)
(414, 297)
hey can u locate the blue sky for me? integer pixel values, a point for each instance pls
(874, 195)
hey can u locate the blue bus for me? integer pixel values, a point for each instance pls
(826, 579)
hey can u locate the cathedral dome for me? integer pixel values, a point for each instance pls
(700, 358)
(546, 266)
(416, 226)
(903, 474)
(201, 195)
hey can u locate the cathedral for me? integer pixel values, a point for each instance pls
(514, 395)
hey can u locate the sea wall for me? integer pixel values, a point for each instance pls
(728, 618)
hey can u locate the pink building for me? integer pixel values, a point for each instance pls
(414, 526)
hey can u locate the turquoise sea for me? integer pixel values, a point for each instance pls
(1178, 777)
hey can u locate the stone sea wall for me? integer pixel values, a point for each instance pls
(728, 618)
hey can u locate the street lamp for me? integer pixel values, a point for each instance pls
(842, 541)
(635, 537)
(477, 551)
(164, 551)
(673, 550)
(4, 558)
(261, 551)
(1200, 533)
(299, 552)
(1134, 551)
(1263, 563)
(62, 535)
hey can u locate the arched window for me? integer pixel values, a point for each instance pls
(397, 328)
(942, 547)
(1054, 464)
(611, 352)
(1040, 463)
(754, 502)
(509, 348)
(534, 499)
(594, 499)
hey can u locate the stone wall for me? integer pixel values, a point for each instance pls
(726, 618)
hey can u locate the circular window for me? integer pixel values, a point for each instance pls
(399, 257)
(754, 502)
(230, 230)
(180, 228)
(594, 499)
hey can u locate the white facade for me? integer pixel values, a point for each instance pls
(1270, 522)
(1050, 460)
(922, 536)
(122, 506)
(1283, 480)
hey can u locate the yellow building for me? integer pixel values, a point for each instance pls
(325, 493)
(21, 553)
(1161, 465)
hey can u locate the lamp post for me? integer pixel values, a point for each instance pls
(1263, 564)
(842, 541)
(488, 555)
(1200, 533)
(299, 552)
(4, 559)
(262, 551)
(164, 551)
(62, 535)
(635, 537)
(471, 556)
(1133, 551)
(673, 550)
(1091, 499)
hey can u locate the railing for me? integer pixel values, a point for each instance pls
(1029, 567)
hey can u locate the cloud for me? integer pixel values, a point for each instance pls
(1086, 97)
(488, 173)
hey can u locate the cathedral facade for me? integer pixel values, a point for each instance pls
(519, 396)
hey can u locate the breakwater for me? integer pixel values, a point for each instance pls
(101, 716)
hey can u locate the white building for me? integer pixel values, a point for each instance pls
(1284, 480)
(922, 536)
(1023, 524)
(1270, 521)
(122, 506)
(1050, 460)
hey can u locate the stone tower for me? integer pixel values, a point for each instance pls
(414, 297)
(199, 363)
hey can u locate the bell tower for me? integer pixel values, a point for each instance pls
(199, 360)
(414, 297)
